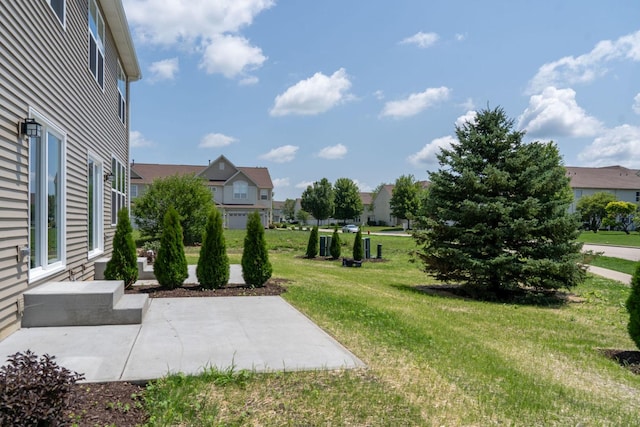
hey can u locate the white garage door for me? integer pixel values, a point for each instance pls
(237, 220)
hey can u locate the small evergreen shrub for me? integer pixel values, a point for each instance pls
(335, 249)
(170, 267)
(213, 264)
(312, 245)
(358, 250)
(34, 391)
(256, 268)
(633, 307)
(123, 264)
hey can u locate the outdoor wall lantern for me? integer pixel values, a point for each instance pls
(31, 128)
(109, 177)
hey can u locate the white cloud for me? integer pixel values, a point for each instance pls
(469, 116)
(231, 56)
(468, 104)
(314, 95)
(137, 140)
(281, 182)
(555, 112)
(216, 140)
(427, 156)
(378, 94)
(415, 103)
(164, 70)
(636, 104)
(201, 26)
(304, 184)
(422, 40)
(460, 37)
(365, 188)
(617, 146)
(587, 67)
(283, 154)
(250, 80)
(333, 152)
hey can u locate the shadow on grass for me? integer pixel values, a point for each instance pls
(629, 359)
(541, 298)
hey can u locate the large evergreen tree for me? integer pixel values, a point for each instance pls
(170, 267)
(256, 268)
(496, 213)
(318, 199)
(123, 264)
(633, 307)
(347, 201)
(213, 264)
(405, 198)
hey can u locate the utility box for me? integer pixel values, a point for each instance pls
(367, 247)
(379, 254)
(323, 246)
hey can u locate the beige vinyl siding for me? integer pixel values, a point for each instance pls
(44, 66)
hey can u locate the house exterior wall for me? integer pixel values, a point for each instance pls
(44, 74)
(632, 196)
(382, 207)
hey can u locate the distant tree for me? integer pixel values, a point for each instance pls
(620, 214)
(170, 267)
(592, 209)
(289, 209)
(256, 268)
(633, 307)
(123, 264)
(188, 194)
(405, 198)
(347, 201)
(302, 216)
(213, 264)
(358, 250)
(496, 215)
(318, 200)
(312, 244)
(335, 249)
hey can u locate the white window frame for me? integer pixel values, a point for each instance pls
(98, 202)
(122, 95)
(44, 268)
(98, 40)
(238, 194)
(134, 190)
(264, 194)
(118, 189)
(63, 11)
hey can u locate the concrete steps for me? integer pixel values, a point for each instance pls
(91, 303)
(145, 271)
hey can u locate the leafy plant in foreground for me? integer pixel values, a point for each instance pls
(312, 245)
(335, 249)
(256, 268)
(213, 264)
(123, 264)
(170, 267)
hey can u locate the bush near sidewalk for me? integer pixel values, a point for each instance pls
(256, 268)
(123, 264)
(170, 267)
(213, 264)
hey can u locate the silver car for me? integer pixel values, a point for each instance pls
(350, 228)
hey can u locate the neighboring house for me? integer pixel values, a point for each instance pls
(621, 182)
(277, 215)
(381, 213)
(236, 190)
(65, 69)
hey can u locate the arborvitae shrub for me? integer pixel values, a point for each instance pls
(256, 268)
(34, 392)
(633, 307)
(213, 264)
(312, 245)
(123, 264)
(358, 251)
(170, 266)
(335, 249)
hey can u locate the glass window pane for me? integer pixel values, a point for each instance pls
(58, 8)
(54, 171)
(92, 56)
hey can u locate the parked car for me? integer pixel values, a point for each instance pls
(350, 228)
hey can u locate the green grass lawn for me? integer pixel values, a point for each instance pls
(616, 238)
(432, 360)
(617, 264)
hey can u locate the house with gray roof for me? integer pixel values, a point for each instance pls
(236, 190)
(621, 182)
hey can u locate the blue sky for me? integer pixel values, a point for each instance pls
(371, 90)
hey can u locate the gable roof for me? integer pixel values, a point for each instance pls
(608, 177)
(366, 198)
(146, 173)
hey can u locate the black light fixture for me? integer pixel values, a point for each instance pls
(109, 177)
(31, 128)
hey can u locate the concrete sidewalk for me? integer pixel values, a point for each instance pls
(187, 335)
(610, 274)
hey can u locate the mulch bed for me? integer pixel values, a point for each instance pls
(121, 403)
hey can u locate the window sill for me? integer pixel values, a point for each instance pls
(37, 274)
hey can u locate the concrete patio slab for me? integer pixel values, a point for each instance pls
(187, 335)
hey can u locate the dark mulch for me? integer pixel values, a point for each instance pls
(629, 359)
(121, 403)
